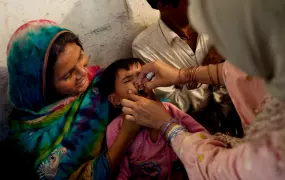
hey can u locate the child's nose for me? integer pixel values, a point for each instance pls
(136, 84)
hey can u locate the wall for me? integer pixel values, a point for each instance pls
(106, 27)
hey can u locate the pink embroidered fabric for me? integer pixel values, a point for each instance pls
(247, 93)
(261, 156)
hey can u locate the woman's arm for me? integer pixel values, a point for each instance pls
(166, 75)
(211, 74)
(206, 158)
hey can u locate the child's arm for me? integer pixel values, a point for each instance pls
(112, 133)
(186, 120)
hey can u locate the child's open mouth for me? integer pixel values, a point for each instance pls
(142, 93)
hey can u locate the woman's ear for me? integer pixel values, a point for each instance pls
(114, 100)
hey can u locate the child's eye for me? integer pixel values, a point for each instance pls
(66, 77)
(127, 81)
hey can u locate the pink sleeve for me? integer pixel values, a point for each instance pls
(247, 93)
(206, 158)
(112, 134)
(186, 120)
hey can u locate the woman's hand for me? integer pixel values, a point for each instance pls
(145, 112)
(165, 75)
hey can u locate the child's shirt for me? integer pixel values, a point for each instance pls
(146, 159)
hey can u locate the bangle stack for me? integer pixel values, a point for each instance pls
(166, 125)
(190, 76)
(217, 76)
(180, 84)
(174, 132)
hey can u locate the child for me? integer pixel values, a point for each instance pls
(149, 156)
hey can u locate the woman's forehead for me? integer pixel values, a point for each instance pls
(68, 58)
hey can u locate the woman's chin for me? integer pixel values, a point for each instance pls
(83, 87)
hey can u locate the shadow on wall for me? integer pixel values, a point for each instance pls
(108, 27)
(5, 107)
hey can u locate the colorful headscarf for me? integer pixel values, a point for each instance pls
(64, 136)
(27, 56)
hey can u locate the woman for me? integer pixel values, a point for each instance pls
(59, 116)
(254, 42)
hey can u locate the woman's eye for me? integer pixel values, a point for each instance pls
(81, 55)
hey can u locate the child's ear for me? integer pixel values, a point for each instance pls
(114, 99)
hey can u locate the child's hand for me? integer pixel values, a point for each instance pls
(131, 128)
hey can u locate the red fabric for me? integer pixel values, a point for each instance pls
(92, 71)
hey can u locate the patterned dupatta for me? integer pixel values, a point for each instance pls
(67, 137)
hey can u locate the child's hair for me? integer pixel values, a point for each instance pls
(56, 49)
(107, 84)
(154, 3)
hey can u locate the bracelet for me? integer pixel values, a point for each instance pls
(179, 76)
(174, 133)
(218, 79)
(190, 77)
(166, 125)
(194, 77)
(211, 79)
(179, 86)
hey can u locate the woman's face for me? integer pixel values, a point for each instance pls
(70, 71)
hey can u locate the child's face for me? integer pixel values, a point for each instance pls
(125, 81)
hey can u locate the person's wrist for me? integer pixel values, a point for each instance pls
(169, 129)
(163, 120)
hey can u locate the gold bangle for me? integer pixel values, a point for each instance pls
(190, 77)
(195, 77)
(179, 76)
(211, 79)
(218, 75)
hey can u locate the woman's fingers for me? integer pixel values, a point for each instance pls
(128, 103)
(128, 111)
(147, 68)
(130, 118)
(151, 84)
(134, 97)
